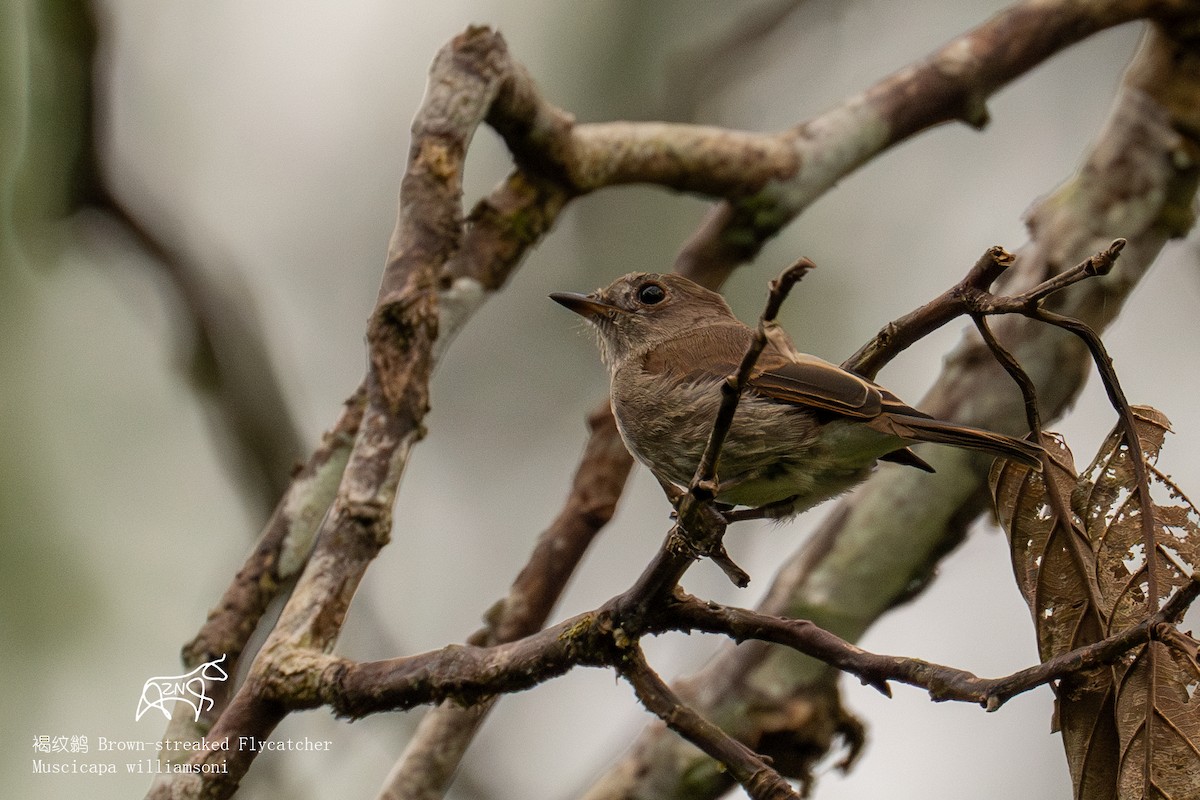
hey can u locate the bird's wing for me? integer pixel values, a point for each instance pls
(809, 381)
(781, 372)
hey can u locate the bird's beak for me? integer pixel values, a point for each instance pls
(584, 305)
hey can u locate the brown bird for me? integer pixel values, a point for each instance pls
(805, 430)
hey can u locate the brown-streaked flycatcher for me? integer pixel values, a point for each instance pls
(805, 430)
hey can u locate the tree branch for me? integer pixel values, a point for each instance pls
(469, 674)
(274, 563)
(952, 84)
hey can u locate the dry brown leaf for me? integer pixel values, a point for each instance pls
(1055, 570)
(1156, 711)
(1085, 574)
(1051, 554)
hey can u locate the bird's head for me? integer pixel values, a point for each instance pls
(642, 309)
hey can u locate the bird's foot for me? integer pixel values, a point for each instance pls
(780, 509)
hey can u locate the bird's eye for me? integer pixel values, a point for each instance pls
(651, 293)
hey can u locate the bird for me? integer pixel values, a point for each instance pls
(805, 430)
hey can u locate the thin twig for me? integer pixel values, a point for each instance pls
(734, 385)
(748, 768)
(703, 487)
(1077, 540)
(900, 334)
(942, 682)
(970, 296)
(1007, 360)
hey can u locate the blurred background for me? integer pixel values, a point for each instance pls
(260, 144)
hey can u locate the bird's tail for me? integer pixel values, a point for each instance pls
(920, 429)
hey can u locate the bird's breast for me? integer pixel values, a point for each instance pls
(666, 424)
